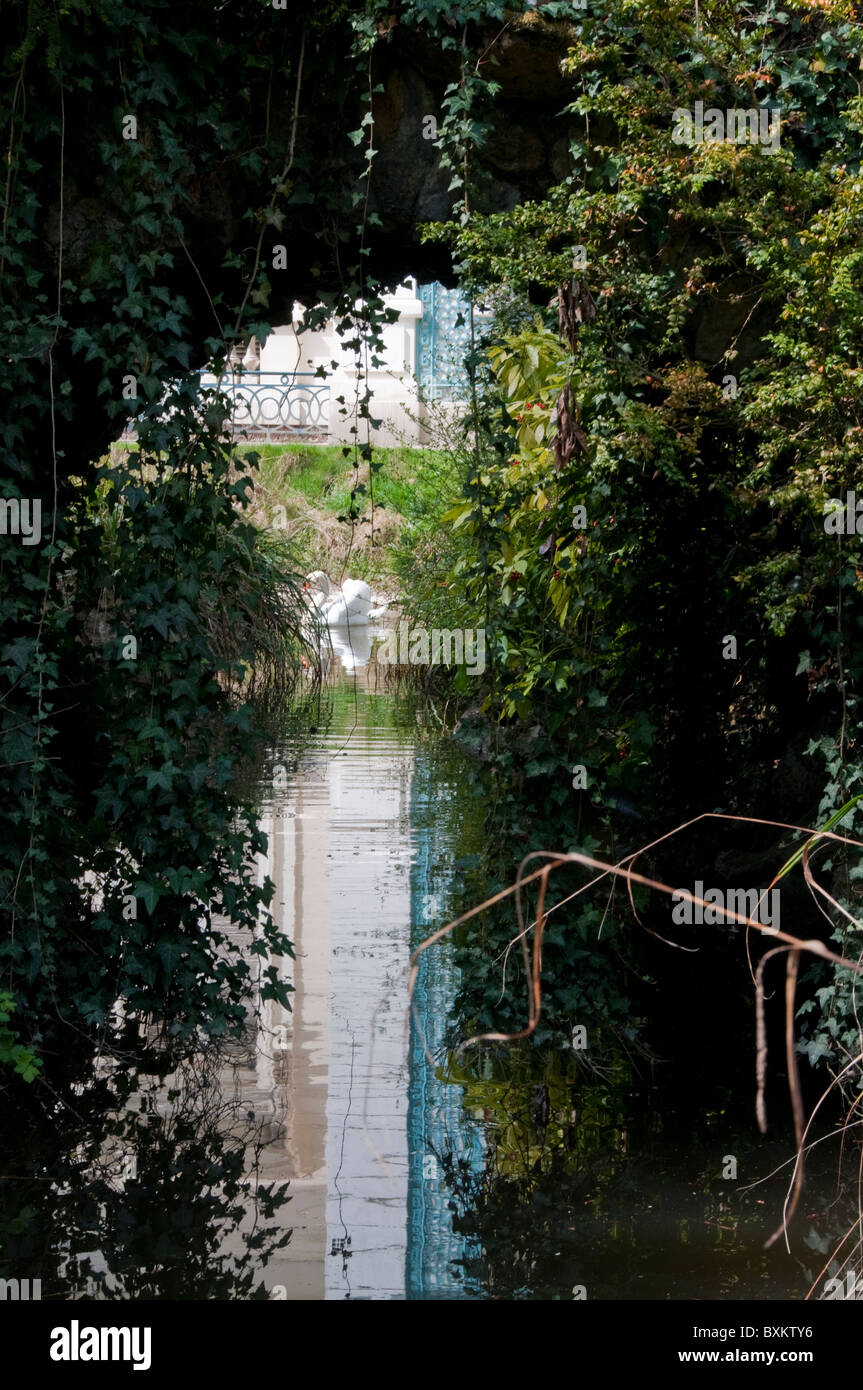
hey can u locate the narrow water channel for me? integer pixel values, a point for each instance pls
(406, 1183)
(362, 853)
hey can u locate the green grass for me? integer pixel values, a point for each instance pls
(313, 483)
(409, 481)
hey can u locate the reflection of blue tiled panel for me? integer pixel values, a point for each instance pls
(437, 1123)
(443, 339)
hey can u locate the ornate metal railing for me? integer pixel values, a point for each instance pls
(272, 404)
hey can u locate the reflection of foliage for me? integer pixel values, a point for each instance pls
(632, 1205)
(622, 1231)
(539, 1112)
(519, 1230)
(152, 1203)
(547, 1138)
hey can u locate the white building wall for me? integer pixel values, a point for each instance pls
(395, 400)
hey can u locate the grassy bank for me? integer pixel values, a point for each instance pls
(310, 491)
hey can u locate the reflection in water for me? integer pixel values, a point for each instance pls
(513, 1173)
(152, 1198)
(353, 648)
(441, 1132)
(358, 853)
(338, 1150)
(585, 1195)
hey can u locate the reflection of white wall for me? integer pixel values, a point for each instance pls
(298, 1042)
(395, 401)
(367, 1150)
(339, 852)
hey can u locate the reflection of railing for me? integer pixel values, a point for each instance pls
(273, 403)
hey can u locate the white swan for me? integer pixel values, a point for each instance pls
(351, 607)
(352, 646)
(317, 589)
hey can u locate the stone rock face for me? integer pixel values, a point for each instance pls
(515, 150)
(728, 320)
(408, 185)
(520, 157)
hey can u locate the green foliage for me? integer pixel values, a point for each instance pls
(669, 233)
(700, 400)
(136, 631)
(12, 1053)
(162, 615)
